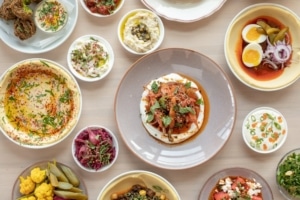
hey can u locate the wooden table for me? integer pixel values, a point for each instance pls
(205, 36)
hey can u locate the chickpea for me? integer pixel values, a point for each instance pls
(142, 192)
(114, 196)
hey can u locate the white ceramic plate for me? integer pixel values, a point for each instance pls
(235, 171)
(40, 42)
(184, 10)
(42, 165)
(220, 117)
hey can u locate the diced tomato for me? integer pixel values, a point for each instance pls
(256, 198)
(221, 196)
(90, 3)
(238, 181)
(93, 9)
(103, 10)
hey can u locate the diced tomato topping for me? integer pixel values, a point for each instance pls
(256, 198)
(238, 182)
(221, 196)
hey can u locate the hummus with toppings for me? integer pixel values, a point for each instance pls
(141, 31)
(51, 16)
(40, 103)
(172, 108)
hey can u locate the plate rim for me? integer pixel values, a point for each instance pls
(172, 18)
(57, 42)
(233, 100)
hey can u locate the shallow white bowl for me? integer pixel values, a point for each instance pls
(233, 41)
(37, 13)
(38, 72)
(126, 180)
(107, 47)
(264, 130)
(122, 24)
(115, 145)
(95, 14)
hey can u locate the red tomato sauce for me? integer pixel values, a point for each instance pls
(261, 72)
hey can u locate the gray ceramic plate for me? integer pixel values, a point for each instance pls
(235, 171)
(220, 117)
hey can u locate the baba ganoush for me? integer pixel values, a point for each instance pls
(172, 108)
(141, 31)
(264, 129)
(40, 103)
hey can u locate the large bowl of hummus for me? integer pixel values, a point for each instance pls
(40, 103)
(141, 31)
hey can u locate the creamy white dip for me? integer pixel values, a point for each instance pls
(264, 129)
(135, 41)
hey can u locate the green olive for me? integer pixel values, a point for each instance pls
(280, 36)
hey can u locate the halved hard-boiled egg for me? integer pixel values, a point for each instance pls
(252, 55)
(251, 34)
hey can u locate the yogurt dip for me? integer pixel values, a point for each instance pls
(264, 130)
(141, 31)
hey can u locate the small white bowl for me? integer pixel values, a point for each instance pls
(264, 130)
(134, 44)
(93, 73)
(83, 134)
(41, 20)
(97, 11)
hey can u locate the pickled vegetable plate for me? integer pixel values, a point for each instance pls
(43, 165)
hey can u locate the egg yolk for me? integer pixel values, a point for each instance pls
(252, 57)
(253, 34)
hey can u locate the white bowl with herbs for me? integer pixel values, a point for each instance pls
(51, 16)
(90, 58)
(265, 130)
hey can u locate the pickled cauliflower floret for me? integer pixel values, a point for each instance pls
(44, 192)
(28, 198)
(37, 175)
(26, 185)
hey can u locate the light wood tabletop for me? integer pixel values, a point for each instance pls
(205, 36)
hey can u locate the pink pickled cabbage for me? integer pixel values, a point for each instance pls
(94, 148)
